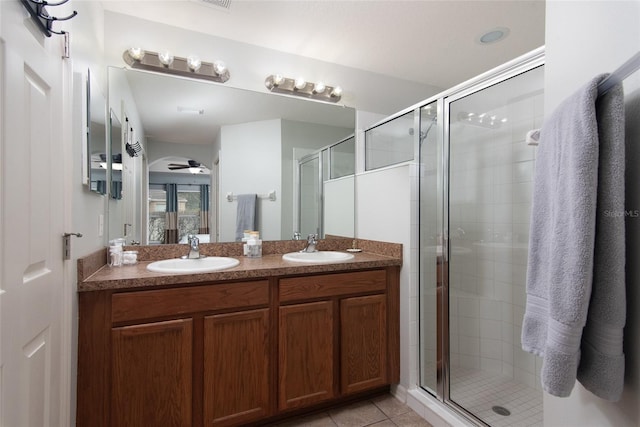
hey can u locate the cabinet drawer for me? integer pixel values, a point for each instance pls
(136, 305)
(327, 285)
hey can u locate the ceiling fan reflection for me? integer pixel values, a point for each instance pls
(193, 166)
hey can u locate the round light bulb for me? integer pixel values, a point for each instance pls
(194, 63)
(278, 79)
(136, 53)
(219, 67)
(337, 91)
(300, 83)
(319, 87)
(166, 58)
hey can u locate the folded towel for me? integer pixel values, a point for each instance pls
(561, 243)
(246, 214)
(601, 368)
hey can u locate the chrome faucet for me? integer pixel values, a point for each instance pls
(311, 243)
(194, 247)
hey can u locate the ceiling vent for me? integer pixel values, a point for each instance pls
(216, 4)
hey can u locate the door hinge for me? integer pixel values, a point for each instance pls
(67, 46)
(66, 244)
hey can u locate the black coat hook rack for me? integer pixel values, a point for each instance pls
(37, 10)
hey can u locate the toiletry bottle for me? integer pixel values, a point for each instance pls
(254, 246)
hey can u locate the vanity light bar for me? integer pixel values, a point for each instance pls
(166, 63)
(300, 87)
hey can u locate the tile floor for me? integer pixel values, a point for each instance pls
(380, 411)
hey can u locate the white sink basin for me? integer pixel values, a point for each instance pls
(317, 257)
(201, 265)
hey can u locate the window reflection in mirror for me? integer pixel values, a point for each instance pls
(96, 137)
(192, 200)
(115, 164)
(342, 158)
(189, 214)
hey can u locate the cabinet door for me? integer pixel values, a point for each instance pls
(236, 367)
(151, 375)
(363, 342)
(306, 354)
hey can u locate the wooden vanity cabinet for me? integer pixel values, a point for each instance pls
(235, 353)
(337, 344)
(185, 356)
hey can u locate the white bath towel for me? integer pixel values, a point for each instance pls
(601, 368)
(245, 214)
(561, 245)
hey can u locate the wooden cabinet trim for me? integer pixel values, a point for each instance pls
(328, 285)
(149, 304)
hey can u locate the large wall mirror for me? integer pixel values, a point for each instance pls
(208, 144)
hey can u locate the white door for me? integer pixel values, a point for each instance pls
(33, 374)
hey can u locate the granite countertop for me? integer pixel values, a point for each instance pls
(95, 275)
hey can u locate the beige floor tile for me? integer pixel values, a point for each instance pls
(390, 405)
(357, 415)
(315, 420)
(385, 423)
(410, 419)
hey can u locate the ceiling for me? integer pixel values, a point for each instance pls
(426, 41)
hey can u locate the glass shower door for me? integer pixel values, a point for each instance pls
(310, 195)
(489, 204)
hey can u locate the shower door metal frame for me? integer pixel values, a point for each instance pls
(320, 188)
(519, 66)
(524, 66)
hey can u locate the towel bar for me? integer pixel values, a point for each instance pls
(271, 196)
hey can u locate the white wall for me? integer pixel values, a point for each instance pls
(88, 54)
(339, 209)
(256, 146)
(249, 65)
(583, 39)
(384, 212)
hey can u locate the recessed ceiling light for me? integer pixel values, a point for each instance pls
(494, 35)
(190, 110)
